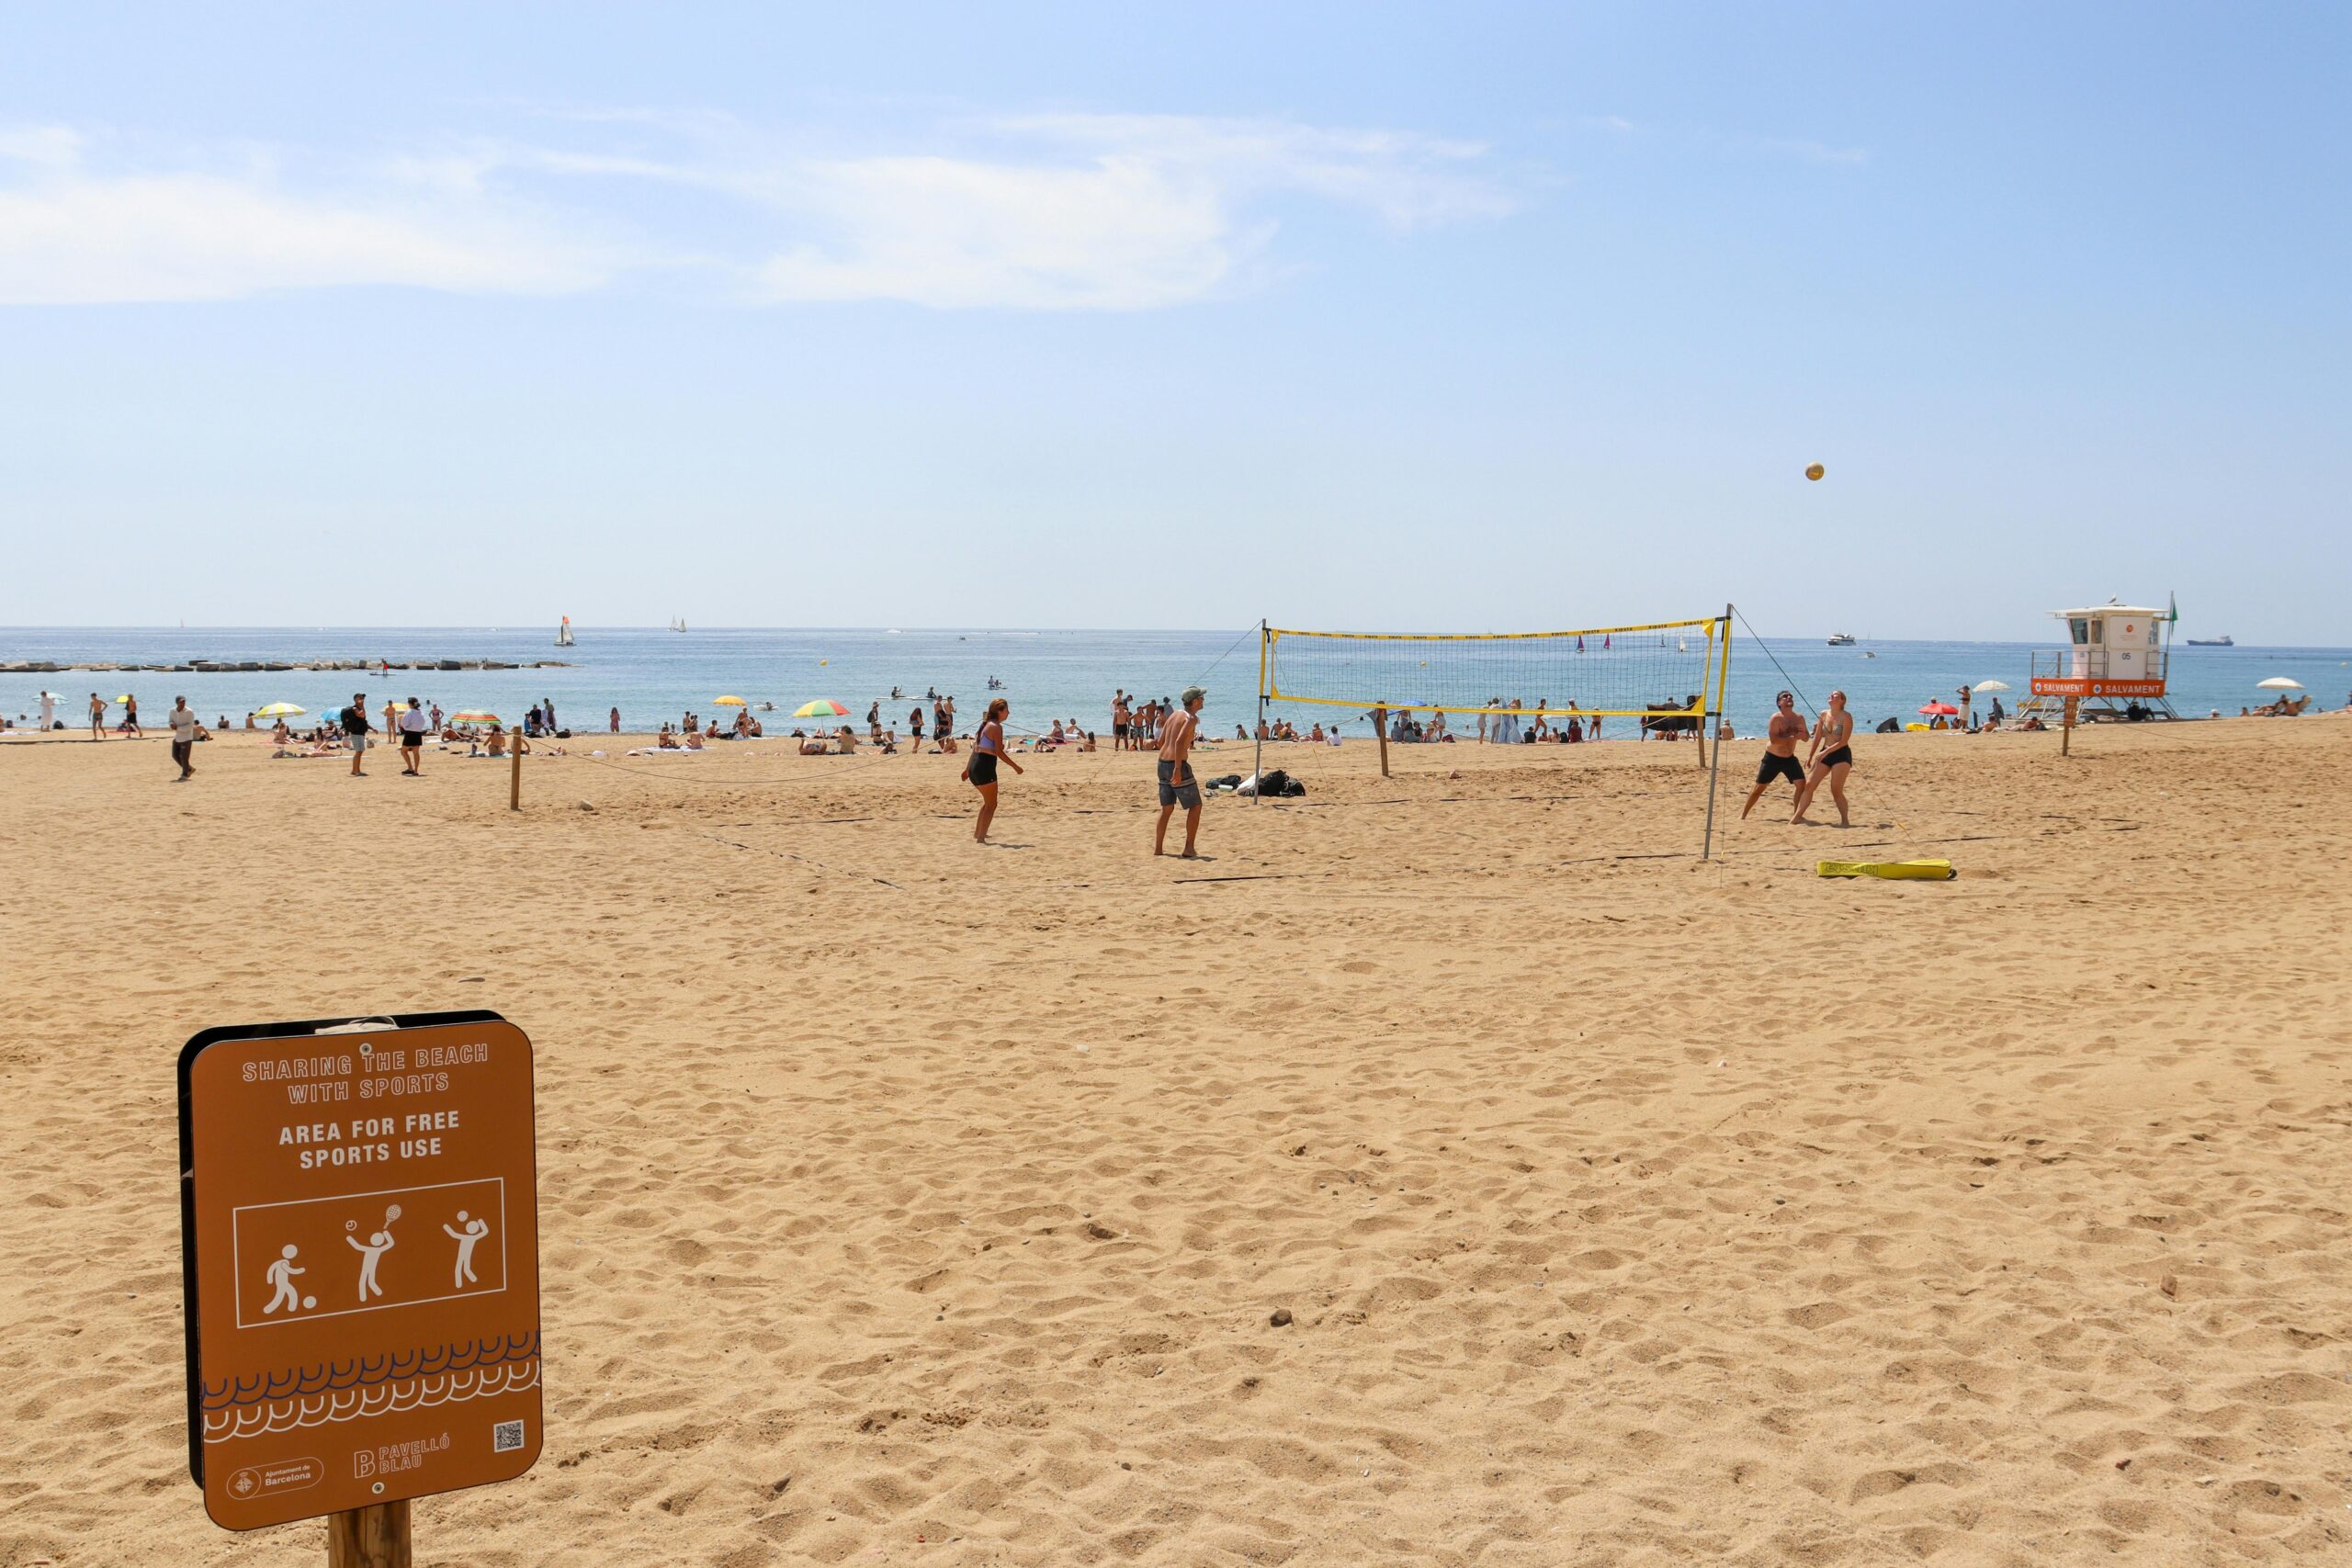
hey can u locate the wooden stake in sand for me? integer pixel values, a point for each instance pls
(2066, 729)
(514, 777)
(1379, 727)
(373, 1537)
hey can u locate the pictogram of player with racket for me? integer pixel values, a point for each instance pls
(372, 1252)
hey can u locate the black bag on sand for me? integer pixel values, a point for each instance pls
(1273, 782)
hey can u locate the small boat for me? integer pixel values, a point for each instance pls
(679, 624)
(2212, 642)
(1842, 639)
(563, 633)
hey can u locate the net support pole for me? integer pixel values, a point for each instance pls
(1380, 729)
(1723, 678)
(1258, 758)
(515, 775)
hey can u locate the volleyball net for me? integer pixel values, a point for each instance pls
(1662, 670)
(1669, 676)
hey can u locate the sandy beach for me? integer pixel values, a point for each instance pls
(905, 1200)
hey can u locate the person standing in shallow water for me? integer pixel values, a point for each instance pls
(988, 750)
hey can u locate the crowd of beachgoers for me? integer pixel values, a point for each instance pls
(1134, 723)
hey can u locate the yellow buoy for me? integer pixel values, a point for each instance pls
(1815, 471)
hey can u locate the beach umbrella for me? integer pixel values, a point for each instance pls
(1991, 686)
(2279, 684)
(823, 708)
(475, 716)
(279, 710)
(1938, 707)
(728, 703)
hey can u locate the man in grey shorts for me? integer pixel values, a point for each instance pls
(1179, 785)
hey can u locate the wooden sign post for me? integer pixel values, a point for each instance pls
(373, 1537)
(359, 1249)
(2066, 728)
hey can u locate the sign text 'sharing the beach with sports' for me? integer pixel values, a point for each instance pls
(359, 1229)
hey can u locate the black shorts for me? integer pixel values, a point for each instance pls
(1119, 732)
(1842, 755)
(181, 750)
(1778, 767)
(983, 769)
(412, 739)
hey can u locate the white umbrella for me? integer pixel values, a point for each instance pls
(1991, 686)
(2279, 684)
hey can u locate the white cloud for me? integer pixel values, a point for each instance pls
(1062, 211)
(1805, 151)
(70, 234)
(1123, 212)
(1119, 234)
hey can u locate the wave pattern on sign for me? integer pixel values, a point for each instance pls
(384, 1399)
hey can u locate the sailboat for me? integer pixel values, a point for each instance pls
(678, 624)
(563, 633)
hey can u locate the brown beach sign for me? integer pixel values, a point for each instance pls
(359, 1237)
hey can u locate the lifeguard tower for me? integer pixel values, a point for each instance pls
(2113, 664)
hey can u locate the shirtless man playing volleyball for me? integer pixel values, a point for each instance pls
(1780, 761)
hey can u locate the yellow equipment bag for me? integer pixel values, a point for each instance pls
(1894, 870)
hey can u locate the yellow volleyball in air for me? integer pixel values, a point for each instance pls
(1815, 471)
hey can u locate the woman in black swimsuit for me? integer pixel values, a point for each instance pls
(1832, 758)
(987, 750)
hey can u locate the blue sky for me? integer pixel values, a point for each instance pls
(1359, 316)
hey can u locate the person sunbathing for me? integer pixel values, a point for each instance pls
(694, 741)
(497, 743)
(812, 746)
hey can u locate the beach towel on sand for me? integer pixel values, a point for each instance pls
(1893, 870)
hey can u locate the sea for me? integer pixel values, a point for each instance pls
(652, 673)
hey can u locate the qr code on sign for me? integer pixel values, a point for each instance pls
(505, 1437)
